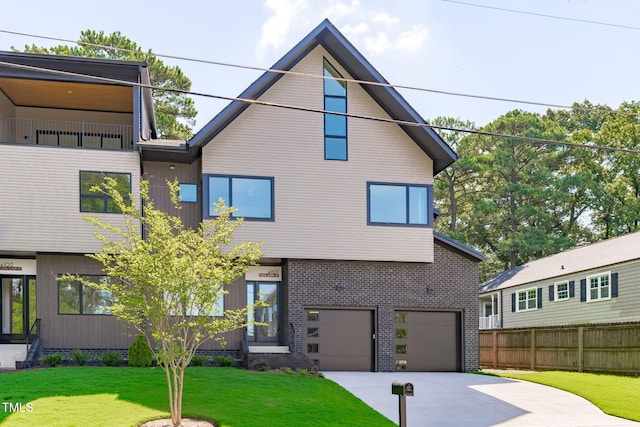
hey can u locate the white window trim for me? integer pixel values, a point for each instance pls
(588, 290)
(526, 291)
(555, 291)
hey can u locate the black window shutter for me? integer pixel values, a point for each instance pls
(572, 289)
(551, 292)
(513, 302)
(583, 290)
(614, 285)
(539, 297)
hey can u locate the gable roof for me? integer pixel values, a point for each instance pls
(328, 36)
(582, 258)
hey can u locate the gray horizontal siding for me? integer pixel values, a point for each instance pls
(41, 201)
(624, 308)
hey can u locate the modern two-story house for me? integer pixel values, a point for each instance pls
(354, 275)
(594, 283)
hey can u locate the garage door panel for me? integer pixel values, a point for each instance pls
(340, 340)
(427, 341)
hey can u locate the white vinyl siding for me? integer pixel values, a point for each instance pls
(41, 196)
(321, 206)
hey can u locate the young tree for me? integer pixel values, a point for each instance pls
(167, 280)
(175, 112)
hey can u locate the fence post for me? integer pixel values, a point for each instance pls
(533, 349)
(495, 348)
(580, 349)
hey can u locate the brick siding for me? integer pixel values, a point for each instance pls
(450, 283)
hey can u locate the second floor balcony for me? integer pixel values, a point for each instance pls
(66, 134)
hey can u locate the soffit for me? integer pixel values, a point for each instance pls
(68, 95)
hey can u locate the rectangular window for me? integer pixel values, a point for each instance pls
(599, 287)
(398, 204)
(252, 197)
(77, 298)
(189, 193)
(527, 299)
(562, 291)
(335, 125)
(95, 201)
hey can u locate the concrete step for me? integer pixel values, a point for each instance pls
(10, 354)
(279, 349)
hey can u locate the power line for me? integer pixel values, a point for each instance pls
(318, 76)
(564, 18)
(315, 110)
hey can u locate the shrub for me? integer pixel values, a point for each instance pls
(225, 361)
(139, 353)
(80, 357)
(260, 365)
(199, 360)
(110, 358)
(51, 360)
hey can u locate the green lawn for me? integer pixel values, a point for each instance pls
(615, 395)
(101, 396)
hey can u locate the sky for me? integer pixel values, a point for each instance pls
(440, 45)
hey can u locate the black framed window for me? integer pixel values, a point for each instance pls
(398, 204)
(251, 196)
(98, 202)
(335, 126)
(77, 298)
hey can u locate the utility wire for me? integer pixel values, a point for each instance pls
(564, 18)
(107, 80)
(296, 73)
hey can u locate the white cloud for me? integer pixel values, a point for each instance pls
(412, 40)
(378, 44)
(338, 9)
(385, 18)
(275, 29)
(354, 31)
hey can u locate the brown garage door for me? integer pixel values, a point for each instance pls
(427, 341)
(340, 340)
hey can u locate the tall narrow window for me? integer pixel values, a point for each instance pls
(335, 126)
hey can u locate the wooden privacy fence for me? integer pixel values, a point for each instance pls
(607, 348)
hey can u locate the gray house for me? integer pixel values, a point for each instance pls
(595, 283)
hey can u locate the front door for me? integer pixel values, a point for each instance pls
(17, 307)
(269, 317)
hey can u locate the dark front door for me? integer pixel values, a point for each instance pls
(269, 317)
(17, 307)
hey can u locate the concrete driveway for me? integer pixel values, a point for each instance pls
(471, 400)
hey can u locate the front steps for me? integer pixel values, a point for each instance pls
(276, 349)
(10, 354)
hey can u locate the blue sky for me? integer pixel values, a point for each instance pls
(432, 44)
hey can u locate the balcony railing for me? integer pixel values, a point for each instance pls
(489, 322)
(66, 134)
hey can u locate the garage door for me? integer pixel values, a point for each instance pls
(427, 341)
(340, 340)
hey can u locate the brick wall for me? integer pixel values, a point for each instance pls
(450, 283)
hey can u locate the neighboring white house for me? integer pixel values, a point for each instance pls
(595, 283)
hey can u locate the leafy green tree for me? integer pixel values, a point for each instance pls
(167, 283)
(175, 112)
(515, 219)
(618, 210)
(455, 185)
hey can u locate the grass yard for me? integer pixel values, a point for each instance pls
(615, 395)
(111, 397)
